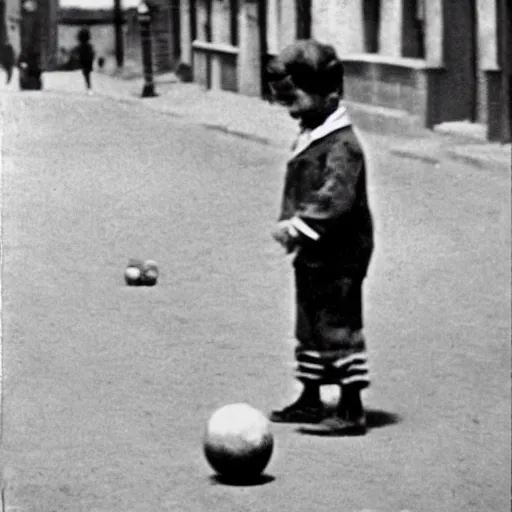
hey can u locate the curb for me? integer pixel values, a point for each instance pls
(481, 163)
(402, 153)
(453, 155)
(240, 134)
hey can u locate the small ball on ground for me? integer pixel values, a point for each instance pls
(133, 273)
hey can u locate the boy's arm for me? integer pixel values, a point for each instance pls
(335, 197)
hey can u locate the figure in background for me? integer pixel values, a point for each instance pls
(86, 55)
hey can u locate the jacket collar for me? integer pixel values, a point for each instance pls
(337, 120)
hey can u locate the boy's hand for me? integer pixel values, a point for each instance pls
(285, 234)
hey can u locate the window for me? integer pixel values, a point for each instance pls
(371, 21)
(233, 11)
(413, 36)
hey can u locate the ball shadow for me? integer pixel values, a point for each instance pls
(240, 482)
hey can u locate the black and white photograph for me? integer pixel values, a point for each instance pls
(255, 255)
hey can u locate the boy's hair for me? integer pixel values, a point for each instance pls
(84, 35)
(309, 65)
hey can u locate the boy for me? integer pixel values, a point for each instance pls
(85, 55)
(325, 219)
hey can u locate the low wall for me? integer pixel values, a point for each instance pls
(395, 82)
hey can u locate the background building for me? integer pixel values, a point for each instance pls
(435, 61)
(438, 61)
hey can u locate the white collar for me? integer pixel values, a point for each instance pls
(337, 120)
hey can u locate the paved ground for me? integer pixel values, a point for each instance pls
(107, 388)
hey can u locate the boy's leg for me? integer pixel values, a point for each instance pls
(310, 367)
(87, 77)
(341, 329)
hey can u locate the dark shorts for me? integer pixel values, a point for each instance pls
(329, 323)
(328, 306)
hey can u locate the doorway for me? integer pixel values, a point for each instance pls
(458, 98)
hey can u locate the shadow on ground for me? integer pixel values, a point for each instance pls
(375, 418)
(259, 480)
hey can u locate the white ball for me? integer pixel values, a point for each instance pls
(238, 441)
(132, 273)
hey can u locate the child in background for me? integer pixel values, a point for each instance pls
(326, 221)
(86, 55)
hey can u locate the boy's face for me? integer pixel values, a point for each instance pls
(310, 109)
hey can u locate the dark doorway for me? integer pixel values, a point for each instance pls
(265, 57)
(458, 89)
(371, 21)
(209, 37)
(413, 35)
(175, 29)
(505, 51)
(193, 20)
(233, 13)
(472, 71)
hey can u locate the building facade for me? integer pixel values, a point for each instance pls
(438, 61)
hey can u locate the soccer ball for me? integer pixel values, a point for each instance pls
(238, 442)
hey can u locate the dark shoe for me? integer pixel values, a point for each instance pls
(299, 412)
(337, 426)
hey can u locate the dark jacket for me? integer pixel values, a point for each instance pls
(325, 196)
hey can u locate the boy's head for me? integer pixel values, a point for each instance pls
(307, 78)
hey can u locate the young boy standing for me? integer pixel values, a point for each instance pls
(325, 219)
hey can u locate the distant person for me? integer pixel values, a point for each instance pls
(8, 59)
(101, 62)
(86, 55)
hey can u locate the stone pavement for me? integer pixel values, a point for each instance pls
(259, 120)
